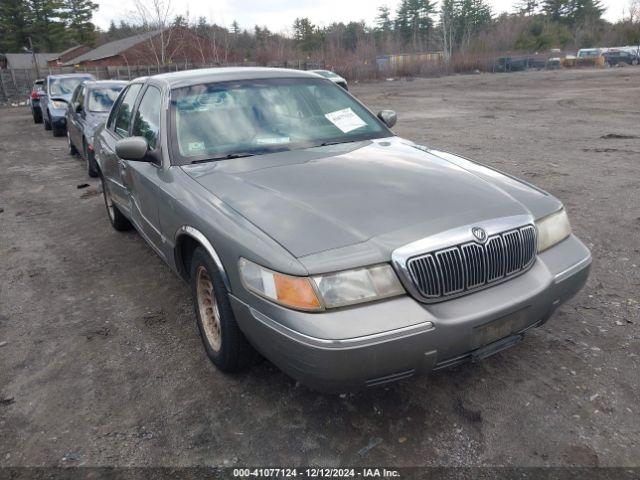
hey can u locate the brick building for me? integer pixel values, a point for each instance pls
(180, 45)
(69, 54)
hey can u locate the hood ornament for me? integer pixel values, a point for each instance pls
(480, 234)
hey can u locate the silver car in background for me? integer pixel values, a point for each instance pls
(308, 231)
(87, 110)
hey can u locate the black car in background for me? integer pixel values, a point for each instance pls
(619, 57)
(87, 110)
(57, 94)
(37, 90)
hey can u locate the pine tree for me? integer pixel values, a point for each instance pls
(14, 28)
(47, 19)
(556, 10)
(527, 7)
(78, 15)
(413, 21)
(383, 20)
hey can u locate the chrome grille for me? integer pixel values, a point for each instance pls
(472, 266)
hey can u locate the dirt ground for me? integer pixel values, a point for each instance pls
(100, 362)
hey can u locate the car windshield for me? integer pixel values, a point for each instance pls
(101, 99)
(64, 86)
(250, 117)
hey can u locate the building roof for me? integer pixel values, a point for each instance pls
(68, 50)
(25, 60)
(112, 48)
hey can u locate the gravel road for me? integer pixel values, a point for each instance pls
(101, 363)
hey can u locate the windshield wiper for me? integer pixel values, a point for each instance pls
(224, 157)
(326, 144)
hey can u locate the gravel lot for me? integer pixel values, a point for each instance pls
(100, 362)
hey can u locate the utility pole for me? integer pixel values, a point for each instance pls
(33, 54)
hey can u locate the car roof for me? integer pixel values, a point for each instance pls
(70, 75)
(225, 74)
(104, 83)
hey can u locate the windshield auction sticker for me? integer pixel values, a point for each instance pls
(345, 119)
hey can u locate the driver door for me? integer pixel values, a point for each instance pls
(141, 179)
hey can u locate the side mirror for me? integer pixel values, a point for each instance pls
(389, 117)
(133, 148)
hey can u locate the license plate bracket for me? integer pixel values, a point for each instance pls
(500, 328)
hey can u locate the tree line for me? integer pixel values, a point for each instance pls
(450, 26)
(53, 25)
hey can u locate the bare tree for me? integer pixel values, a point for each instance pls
(633, 15)
(155, 15)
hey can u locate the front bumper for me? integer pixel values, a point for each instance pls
(58, 119)
(373, 344)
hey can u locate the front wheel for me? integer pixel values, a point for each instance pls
(223, 341)
(116, 218)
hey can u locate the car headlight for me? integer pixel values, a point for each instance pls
(57, 104)
(552, 229)
(320, 292)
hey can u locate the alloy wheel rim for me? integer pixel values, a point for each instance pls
(208, 308)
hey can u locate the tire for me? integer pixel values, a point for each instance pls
(224, 342)
(47, 124)
(72, 149)
(116, 218)
(37, 116)
(92, 166)
(634, 62)
(57, 132)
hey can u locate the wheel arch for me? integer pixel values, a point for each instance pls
(187, 239)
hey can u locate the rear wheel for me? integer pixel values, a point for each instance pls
(92, 166)
(37, 116)
(117, 219)
(72, 149)
(225, 344)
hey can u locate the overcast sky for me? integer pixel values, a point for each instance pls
(278, 15)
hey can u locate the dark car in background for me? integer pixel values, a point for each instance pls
(88, 109)
(34, 100)
(614, 58)
(334, 77)
(57, 94)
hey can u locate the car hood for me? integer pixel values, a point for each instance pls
(382, 193)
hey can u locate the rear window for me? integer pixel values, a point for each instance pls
(64, 85)
(101, 99)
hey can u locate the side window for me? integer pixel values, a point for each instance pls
(76, 93)
(114, 109)
(123, 114)
(80, 99)
(147, 120)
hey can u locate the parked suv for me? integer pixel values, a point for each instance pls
(346, 255)
(87, 110)
(614, 58)
(34, 100)
(58, 92)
